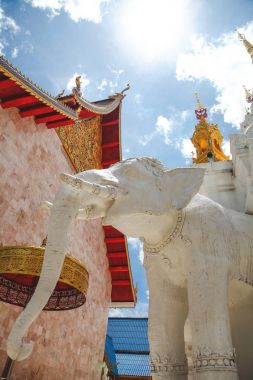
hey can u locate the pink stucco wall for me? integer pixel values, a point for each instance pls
(68, 344)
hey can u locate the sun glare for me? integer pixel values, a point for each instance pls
(153, 29)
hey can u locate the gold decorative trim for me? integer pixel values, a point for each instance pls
(28, 260)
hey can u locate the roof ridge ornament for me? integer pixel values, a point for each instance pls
(125, 89)
(121, 94)
(77, 88)
(247, 44)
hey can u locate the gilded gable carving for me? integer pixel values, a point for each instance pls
(83, 143)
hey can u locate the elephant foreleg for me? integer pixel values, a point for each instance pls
(213, 353)
(167, 314)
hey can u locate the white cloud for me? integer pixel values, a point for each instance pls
(226, 148)
(112, 83)
(136, 244)
(7, 25)
(145, 139)
(140, 311)
(116, 72)
(14, 52)
(89, 10)
(102, 85)
(141, 253)
(1, 47)
(72, 83)
(185, 115)
(186, 147)
(138, 98)
(164, 126)
(227, 65)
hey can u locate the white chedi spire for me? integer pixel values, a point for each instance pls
(247, 123)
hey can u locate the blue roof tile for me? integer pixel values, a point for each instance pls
(133, 364)
(129, 334)
(109, 349)
(127, 345)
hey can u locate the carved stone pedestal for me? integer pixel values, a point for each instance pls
(169, 371)
(215, 366)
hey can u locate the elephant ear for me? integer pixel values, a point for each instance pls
(183, 184)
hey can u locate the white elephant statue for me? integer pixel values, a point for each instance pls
(194, 250)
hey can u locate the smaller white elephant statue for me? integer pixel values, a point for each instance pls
(194, 249)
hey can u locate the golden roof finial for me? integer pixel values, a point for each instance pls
(206, 138)
(248, 94)
(77, 89)
(247, 44)
(199, 105)
(78, 82)
(200, 111)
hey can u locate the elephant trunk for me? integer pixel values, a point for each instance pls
(64, 211)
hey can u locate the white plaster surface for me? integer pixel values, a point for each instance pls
(198, 258)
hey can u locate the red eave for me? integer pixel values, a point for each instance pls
(18, 91)
(13, 95)
(117, 253)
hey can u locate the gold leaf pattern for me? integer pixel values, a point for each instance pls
(83, 143)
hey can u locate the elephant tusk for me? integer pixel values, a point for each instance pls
(64, 211)
(104, 191)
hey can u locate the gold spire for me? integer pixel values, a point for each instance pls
(206, 138)
(247, 44)
(199, 105)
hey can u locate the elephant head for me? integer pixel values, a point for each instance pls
(131, 195)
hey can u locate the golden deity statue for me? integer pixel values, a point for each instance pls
(206, 138)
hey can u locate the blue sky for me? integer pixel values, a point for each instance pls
(165, 49)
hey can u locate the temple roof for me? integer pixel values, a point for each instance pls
(129, 334)
(71, 116)
(16, 90)
(130, 347)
